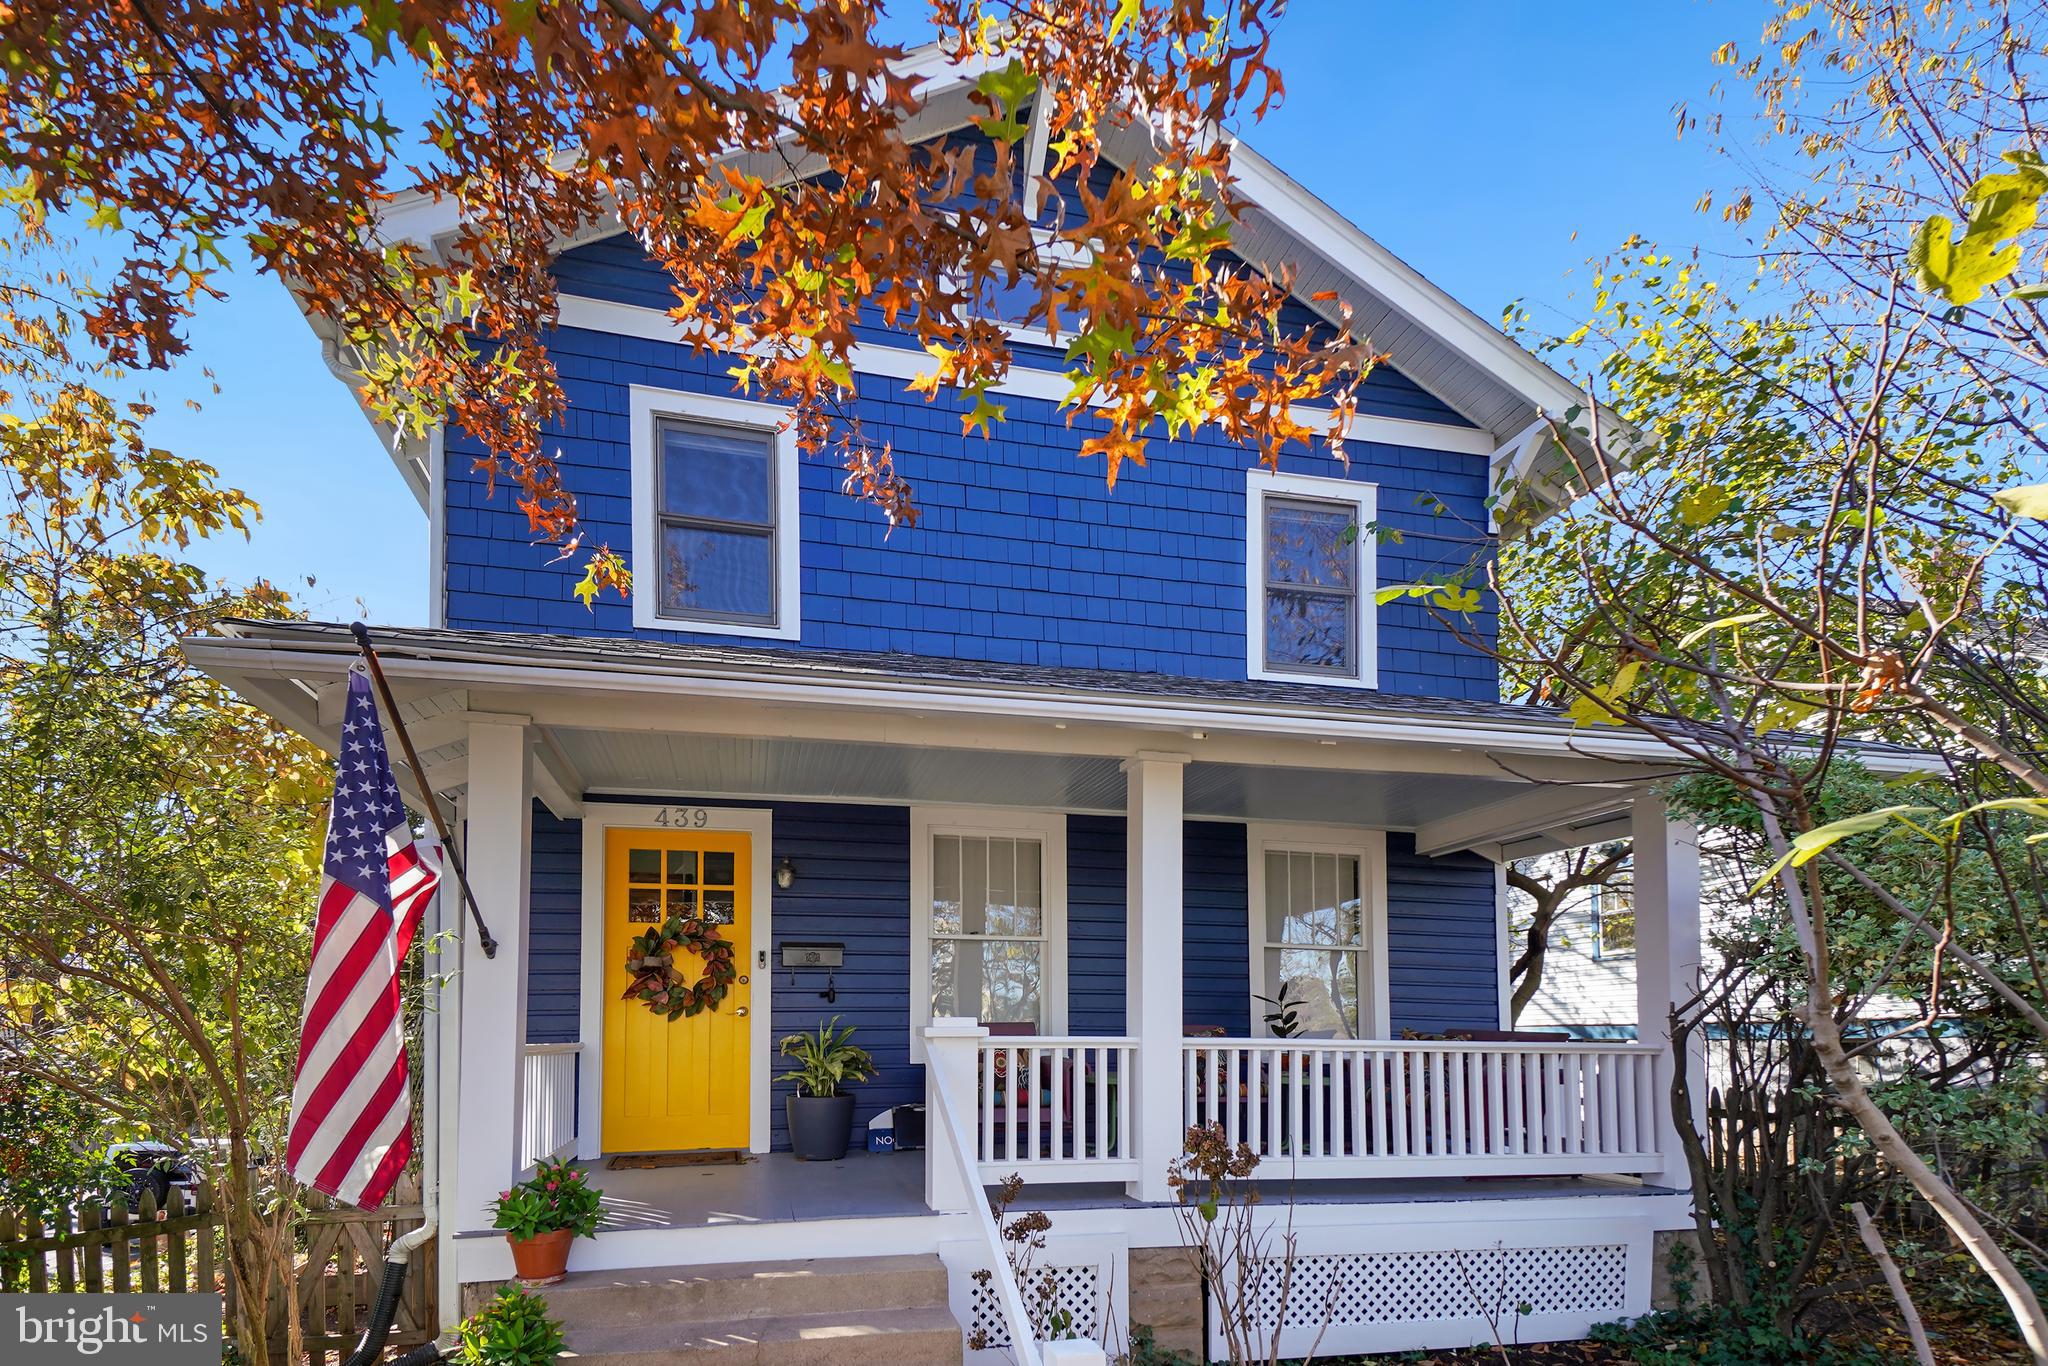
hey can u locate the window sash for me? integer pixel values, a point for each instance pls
(665, 520)
(1346, 595)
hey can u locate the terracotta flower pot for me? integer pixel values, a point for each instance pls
(542, 1259)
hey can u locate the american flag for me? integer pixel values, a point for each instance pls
(351, 1127)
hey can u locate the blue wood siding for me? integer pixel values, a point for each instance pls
(852, 887)
(1022, 553)
(1443, 960)
(1213, 950)
(554, 933)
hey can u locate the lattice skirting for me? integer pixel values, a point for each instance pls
(1358, 1290)
(1074, 1292)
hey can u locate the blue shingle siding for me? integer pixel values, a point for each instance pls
(1213, 952)
(554, 935)
(1022, 553)
(1443, 958)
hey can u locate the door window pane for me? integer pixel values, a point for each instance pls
(682, 865)
(718, 867)
(643, 865)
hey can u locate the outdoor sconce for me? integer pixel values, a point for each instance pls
(785, 873)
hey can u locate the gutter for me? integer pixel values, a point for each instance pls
(458, 666)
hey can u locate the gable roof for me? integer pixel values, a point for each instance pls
(1437, 342)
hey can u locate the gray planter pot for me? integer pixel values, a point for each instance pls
(820, 1127)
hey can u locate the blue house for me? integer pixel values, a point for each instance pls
(1097, 814)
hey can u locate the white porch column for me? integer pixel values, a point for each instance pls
(950, 1045)
(498, 854)
(1667, 905)
(1152, 963)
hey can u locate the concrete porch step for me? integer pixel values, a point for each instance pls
(739, 1290)
(790, 1313)
(861, 1337)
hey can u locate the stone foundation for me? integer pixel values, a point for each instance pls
(1166, 1296)
(1664, 1284)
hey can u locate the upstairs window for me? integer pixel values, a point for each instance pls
(714, 516)
(716, 507)
(1310, 570)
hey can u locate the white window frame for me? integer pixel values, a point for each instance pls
(1597, 906)
(649, 407)
(1363, 499)
(1369, 847)
(1049, 828)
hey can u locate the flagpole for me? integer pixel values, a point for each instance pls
(419, 773)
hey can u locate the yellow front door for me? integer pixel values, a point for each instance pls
(682, 1084)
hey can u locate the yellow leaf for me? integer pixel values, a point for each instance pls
(2024, 500)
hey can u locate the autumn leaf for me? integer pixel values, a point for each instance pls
(2024, 500)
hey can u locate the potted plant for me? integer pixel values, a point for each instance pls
(821, 1111)
(541, 1216)
(512, 1330)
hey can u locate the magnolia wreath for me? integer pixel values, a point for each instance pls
(651, 960)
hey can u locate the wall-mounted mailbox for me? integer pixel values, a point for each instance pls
(798, 954)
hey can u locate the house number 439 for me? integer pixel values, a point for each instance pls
(682, 817)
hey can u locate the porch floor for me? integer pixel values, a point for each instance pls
(776, 1188)
(766, 1189)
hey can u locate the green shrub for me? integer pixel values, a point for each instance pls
(512, 1330)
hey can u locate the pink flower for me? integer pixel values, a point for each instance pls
(553, 1184)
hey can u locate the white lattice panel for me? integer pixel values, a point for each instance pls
(1075, 1289)
(1364, 1289)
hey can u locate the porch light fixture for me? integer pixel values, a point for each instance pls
(785, 873)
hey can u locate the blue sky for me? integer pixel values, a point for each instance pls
(1495, 146)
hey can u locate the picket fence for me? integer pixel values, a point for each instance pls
(90, 1248)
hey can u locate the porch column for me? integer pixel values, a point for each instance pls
(1667, 904)
(1152, 963)
(952, 1045)
(497, 851)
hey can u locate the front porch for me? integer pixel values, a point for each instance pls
(1166, 860)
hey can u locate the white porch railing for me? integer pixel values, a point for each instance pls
(1374, 1108)
(548, 1127)
(1055, 1109)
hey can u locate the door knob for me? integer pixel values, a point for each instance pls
(741, 1011)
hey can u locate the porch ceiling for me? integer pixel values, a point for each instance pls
(627, 763)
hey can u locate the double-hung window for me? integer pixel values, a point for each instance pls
(714, 515)
(1614, 919)
(1316, 916)
(1310, 571)
(989, 894)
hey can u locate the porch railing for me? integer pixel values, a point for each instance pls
(1055, 1109)
(548, 1127)
(1374, 1108)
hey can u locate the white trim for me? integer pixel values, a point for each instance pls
(1261, 483)
(1405, 289)
(542, 677)
(1001, 822)
(654, 324)
(437, 528)
(600, 817)
(1504, 943)
(1370, 848)
(649, 405)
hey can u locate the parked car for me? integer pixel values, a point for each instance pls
(150, 1168)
